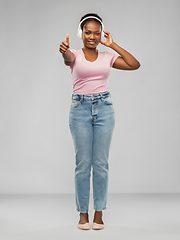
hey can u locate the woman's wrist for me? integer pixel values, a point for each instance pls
(113, 45)
(68, 56)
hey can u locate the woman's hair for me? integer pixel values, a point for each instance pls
(90, 19)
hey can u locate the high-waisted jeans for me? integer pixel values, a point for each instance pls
(91, 122)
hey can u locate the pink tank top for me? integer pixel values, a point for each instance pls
(91, 77)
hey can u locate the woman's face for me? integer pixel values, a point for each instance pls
(91, 35)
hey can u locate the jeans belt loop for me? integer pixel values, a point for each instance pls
(101, 96)
(81, 97)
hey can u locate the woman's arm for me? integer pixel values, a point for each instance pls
(67, 54)
(124, 62)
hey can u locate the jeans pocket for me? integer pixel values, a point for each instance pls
(75, 103)
(107, 100)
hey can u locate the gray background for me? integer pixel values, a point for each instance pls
(37, 153)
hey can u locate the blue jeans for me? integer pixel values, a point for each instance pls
(91, 122)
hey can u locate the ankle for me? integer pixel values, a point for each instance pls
(84, 218)
(98, 217)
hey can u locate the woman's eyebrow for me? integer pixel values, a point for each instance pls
(91, 31)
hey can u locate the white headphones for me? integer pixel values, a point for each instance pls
(79, 33)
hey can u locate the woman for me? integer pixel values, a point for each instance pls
(91, 118)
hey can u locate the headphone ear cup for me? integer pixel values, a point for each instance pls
(102, 35)
(103, 39)
(79, 33)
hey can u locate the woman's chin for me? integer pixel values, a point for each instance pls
(91, 46)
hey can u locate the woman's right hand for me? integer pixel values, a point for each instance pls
(64, 45)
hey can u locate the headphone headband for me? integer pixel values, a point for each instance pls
(90, 17)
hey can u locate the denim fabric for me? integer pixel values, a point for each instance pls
(91, 122)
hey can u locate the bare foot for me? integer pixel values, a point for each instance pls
(84, 218)
(98, 217)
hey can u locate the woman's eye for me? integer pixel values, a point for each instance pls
(88, 33)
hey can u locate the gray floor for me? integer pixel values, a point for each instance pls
(128, 216)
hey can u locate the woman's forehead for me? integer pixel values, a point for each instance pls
(92, 25)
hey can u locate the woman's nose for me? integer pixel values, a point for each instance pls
(92, 36)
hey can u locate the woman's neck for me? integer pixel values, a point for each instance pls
(90, 50)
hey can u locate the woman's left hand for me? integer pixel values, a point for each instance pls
(109, 39)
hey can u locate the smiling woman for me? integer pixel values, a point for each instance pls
(92, 118)
(91, 38)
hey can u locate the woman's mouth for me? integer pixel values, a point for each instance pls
(92, 42)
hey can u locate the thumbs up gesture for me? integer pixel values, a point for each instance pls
(64, 45)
